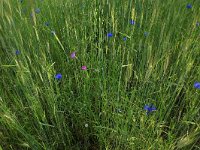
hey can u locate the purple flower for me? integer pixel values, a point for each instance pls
(189, 6)
(132, 22)
(149, 108)
(110, 34)
(84, 68)
(17, 52)
(73, 55)
(58, 76)
(197, 85)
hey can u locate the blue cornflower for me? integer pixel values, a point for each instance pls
(132, 22)
(149, 108)
(189, 6)
(31, 15)
(197, 24)
(125, 38)
(37, 10)
(58, 76)
(197, 85)
(146, 34)
(17, 52)
(110, 34)
(47, 24)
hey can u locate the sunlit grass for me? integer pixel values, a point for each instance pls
(81, 74)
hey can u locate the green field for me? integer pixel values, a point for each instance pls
(99, 74)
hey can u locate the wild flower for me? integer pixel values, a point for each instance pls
(189, 6)
(132, 22)
(125, 38)
(110, 34)
(47, 24)
(197, 85)
(58, 76)
(31, 15)
(146, 34)
(84, 68)
(73, 55)
(17, 52)
(198, 24)
(37, 10)
(149, 108)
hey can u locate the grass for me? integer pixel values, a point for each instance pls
(101, 107)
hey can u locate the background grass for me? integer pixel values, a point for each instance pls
(103, 106)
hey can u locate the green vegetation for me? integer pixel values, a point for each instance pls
(130, 85)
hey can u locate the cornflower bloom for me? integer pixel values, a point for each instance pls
(17, 52)
(73, 55)
(125, 38)
(37, 10)
(47, 24)
(197, 85)
(197, 24)
(132, 22)
(189, 6)
(110, 34)
(58, 76)
(149, 108)
(146, 34)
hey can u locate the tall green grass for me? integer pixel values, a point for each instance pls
(101, 107)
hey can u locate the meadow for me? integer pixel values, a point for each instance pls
(100, 74)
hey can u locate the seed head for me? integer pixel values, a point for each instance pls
(86, 125)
